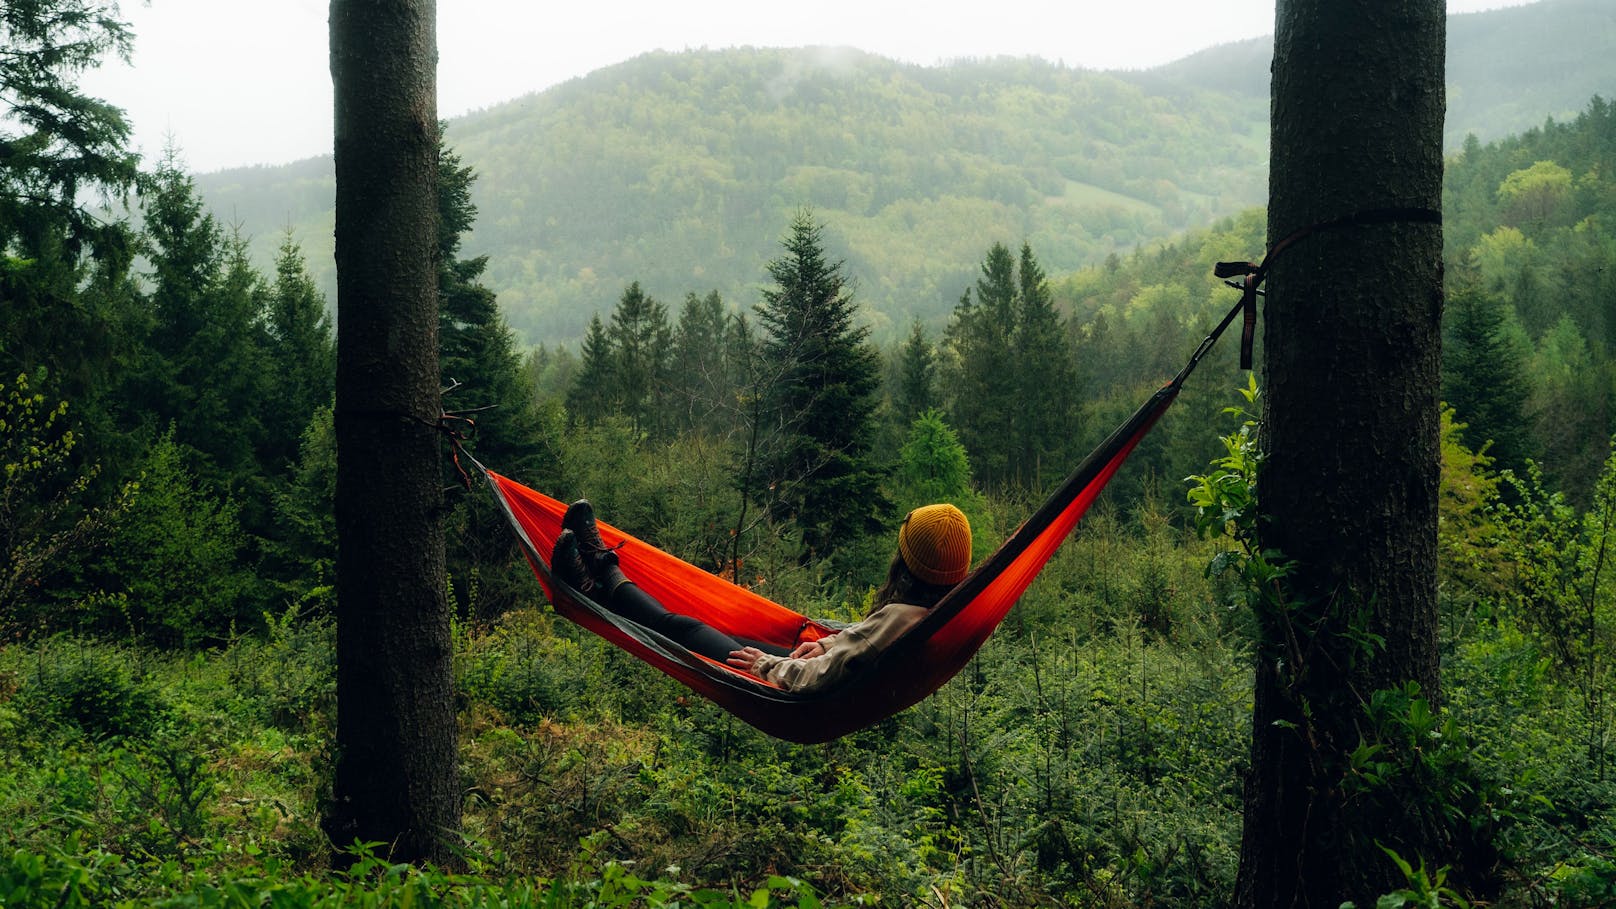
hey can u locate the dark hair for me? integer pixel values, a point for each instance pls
(903, 587)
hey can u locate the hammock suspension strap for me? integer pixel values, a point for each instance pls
(1252, 274)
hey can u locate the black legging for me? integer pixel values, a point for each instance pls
(691, 633)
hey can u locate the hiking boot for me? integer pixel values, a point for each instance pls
(580, 519)
(568, 564)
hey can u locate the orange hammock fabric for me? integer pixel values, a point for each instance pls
(918, 664)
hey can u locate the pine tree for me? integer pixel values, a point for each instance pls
(396, 779)
(825, 477)
(917, 377)
(1483, 376)
(60, 145)
(641, 343)
(302, 352)
(1347, 494)
(700, 388)
(589, 400)
(1046, 393)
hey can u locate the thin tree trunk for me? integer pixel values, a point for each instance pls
(1349, 488)
(396, 776)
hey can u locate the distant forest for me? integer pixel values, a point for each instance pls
(678, 170)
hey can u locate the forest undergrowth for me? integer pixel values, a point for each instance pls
(1092, 754)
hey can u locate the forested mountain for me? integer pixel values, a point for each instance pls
(1508, 69)
(679, 170)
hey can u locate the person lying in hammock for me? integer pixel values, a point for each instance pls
(934, 554)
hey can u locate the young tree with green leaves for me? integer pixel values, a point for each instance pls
(823, 474)
(47, 513)
(1568, 408)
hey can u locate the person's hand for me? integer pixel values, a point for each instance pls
(807, 650)
(744, 659)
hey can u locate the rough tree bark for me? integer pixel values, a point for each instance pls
(1349, 488)
(396, 775)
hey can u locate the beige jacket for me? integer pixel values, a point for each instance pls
(846, 652)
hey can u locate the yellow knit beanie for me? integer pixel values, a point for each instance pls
(935, 542)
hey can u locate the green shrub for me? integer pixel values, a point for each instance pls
(174, 559)
(287, 677)
(522, 668)
(82, 879)
(91, 687)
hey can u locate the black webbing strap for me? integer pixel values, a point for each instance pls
(1254, 273)
(454, 425)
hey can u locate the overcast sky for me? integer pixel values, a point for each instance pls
(237, 82)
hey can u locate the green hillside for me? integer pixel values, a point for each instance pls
(681, 170)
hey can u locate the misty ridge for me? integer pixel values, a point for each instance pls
(681, 170)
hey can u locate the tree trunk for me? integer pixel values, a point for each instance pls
(1349, 488)
(396, 775)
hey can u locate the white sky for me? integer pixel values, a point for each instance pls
(237, 82)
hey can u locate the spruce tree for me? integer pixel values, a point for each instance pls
(641, 342)
(209, 372)
(396, 779)
(1046, 393)
(64, 270)
(59, 145)
(302, 352)
(1484, 376)
(589, 400)
(476, 346)
(699, 387)
(934, 467)
(824, 475)
(917, 377)
(1012, 377)
(982, 398)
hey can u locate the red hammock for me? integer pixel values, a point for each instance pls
(918, 664)
(926, 657)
